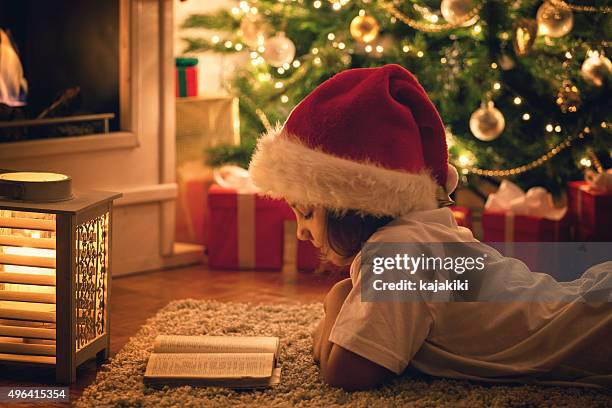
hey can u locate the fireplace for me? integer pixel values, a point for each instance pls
(68, 54)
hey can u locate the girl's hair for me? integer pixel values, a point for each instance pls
(347, 233)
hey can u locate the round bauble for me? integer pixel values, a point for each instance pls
(487, 123)
(279, 50)
(525, 32)
(596, 68)
(364, 28)
(554, 21)
(456, 12)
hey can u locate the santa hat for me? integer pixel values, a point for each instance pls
(368, 139)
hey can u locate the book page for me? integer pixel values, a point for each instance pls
(215, 344)
(210, 365)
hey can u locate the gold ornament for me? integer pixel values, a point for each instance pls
(364, 28)
(487, 123)
(279, 50)
(568, 97)
(525, 31)
(253, 30)
(554, 21)
(457, 12)
(596, 68)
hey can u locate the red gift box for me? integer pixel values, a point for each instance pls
(192, 211)
(186, 81)
(499, 226)
(463, 216)
(591, 212)
(245, 230)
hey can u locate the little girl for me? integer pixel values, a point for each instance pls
(363, 158)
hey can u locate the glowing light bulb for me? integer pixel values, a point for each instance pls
(549, 128)
(517, 100)
(284, 98)
(331, 36)
(317, 4)
(497, 86)
(526, 116)
(420, 54)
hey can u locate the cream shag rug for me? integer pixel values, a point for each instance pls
(119, 383)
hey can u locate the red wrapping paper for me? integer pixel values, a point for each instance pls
(192, 211)
(186, 81)
(463, 216)
(505, 227)
(591, 212)
(250, 237)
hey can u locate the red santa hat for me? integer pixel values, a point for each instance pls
(368, 139)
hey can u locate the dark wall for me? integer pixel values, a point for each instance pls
(67, 43)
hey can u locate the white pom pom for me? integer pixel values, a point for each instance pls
(452, 179)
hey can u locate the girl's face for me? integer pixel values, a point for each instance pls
(311, 226)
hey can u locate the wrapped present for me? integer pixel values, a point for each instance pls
(204, 122)
(463, 216)
(245, 230)
(512, 215)
(298, 255)
(193, 181)
(186, 77)
(591, 211)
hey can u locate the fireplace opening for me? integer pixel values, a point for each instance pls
(59, 68)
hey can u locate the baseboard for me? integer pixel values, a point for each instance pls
(184, 254)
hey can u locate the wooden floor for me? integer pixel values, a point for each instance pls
(138, 297)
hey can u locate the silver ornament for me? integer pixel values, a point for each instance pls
(279, 50)
(596, 68)
(554, 21)
(456, 11)
(487, 122)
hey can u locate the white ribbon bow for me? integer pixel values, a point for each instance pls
(536, 202)
(235, 177)
(601, 182)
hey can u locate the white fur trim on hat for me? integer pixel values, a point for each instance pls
(283, 167)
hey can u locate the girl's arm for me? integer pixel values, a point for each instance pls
(340, 367)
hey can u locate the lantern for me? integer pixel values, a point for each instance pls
(55, 270)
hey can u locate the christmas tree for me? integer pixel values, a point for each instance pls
(522, 86)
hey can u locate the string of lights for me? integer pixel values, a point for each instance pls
(428, 27)
(531, 165)
(585, 8)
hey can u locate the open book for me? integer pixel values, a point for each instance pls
(224, 361)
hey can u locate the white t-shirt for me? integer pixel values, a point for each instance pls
(545, 342)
